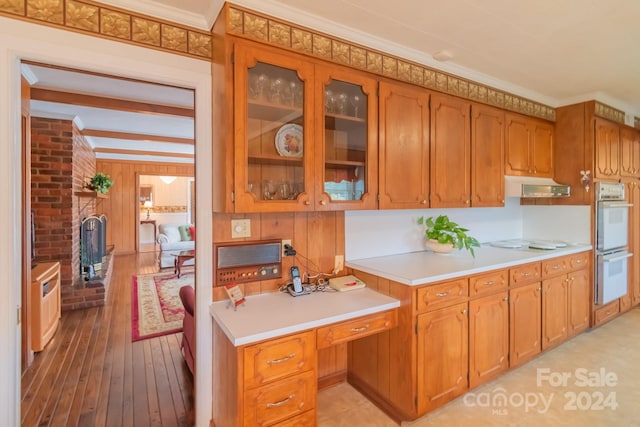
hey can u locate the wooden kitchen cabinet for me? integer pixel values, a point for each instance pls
(404, 146)
(528, 146)
(629, 152)
(525, 323)
(566, 297)
(607, 149)
(305, 135)
(442, 355)
(488, 337)
(450, 152)
(487, 156)
(579, 301)
(633, 197)
(554, 311)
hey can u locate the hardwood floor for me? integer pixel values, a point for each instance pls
(91, 374)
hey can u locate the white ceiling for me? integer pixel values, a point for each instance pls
(554, 52)
(155, 133)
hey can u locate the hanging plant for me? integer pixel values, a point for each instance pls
(100, 183)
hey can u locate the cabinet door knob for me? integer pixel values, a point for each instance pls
(322, 202)
(306, 202)
(466, 202)
(424, 202)
(464, 311)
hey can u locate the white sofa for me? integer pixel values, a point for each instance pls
(171, 244)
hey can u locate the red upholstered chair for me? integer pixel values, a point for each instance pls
(188, 298)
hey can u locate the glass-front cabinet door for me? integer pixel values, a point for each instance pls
(273, 101)
(346, 141)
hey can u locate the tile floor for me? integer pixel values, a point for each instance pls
(557, 386)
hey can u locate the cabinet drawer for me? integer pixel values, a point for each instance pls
(578, 261)
(441, 295)
(493, 281)
(273, 403)
(275, 359)
(606, 312)
(357, 328)
(555, 266)
(523, 274)
(307, 419)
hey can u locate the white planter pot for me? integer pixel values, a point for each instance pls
(439, 248)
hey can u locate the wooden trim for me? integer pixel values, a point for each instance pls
(285, 35)
(143, 153)
(136, 136)
(49, 95)
(109, 22)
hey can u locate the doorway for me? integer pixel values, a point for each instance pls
(20, 40)
(164, 199)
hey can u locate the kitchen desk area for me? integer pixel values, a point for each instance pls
(265, 352)
(426, 329)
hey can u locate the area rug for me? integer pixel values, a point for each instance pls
(156, 308)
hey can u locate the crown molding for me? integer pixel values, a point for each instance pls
(170, 13)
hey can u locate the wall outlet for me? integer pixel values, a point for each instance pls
(338, 265)
(240, 228)
(285, 242)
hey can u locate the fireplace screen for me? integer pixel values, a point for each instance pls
(92, 245)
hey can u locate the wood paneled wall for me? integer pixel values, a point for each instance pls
(121, 208)
(317, 238)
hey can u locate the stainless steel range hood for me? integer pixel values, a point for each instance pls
(525, 186)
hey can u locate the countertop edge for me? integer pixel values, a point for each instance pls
(298, 327)
(535, 257)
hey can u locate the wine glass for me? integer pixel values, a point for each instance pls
(355, 103)
(269, 189)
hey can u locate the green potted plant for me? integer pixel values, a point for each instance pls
(100, 183)
(445, 235)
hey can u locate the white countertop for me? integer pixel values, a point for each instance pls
(274, 314)
(418, 268)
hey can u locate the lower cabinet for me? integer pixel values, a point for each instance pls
(554, 311)
(442, 356)
(525, 325)
(579, 301)
(488, 338)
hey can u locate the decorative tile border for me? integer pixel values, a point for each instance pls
(610, 113)
(636, 122)
(252, 25)
(109, 22)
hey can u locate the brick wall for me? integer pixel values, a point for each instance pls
(61, 161)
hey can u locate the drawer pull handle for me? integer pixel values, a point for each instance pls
(442, 294)
(282, 402)
(555, 267)
(489, 283)
(526, 274)
(362, 329)
(578, 261)
(284, 359)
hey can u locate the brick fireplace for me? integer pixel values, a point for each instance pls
(61, 160)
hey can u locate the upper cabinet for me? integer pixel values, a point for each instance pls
(450, 152)
(607, 148)
(629, 152)
(487, 154)
(528, 146)
(304, 135)
(404, 147)
(346, 155)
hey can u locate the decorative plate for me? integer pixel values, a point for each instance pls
(289, 140)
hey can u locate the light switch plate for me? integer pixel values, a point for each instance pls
(240, 228)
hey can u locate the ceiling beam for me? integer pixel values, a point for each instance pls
(94, 101)
(142, 153)
(135, 136)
